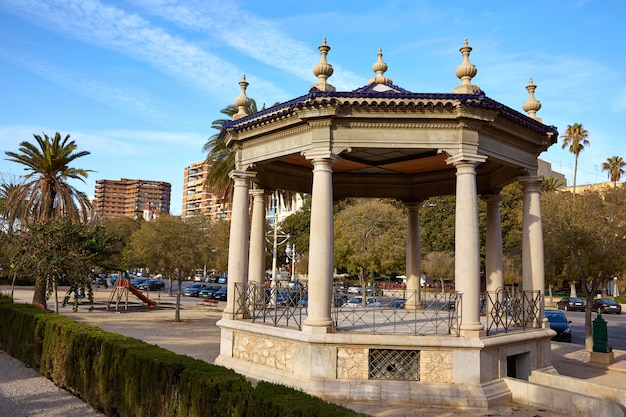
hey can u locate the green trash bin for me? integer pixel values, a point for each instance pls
(600, 335)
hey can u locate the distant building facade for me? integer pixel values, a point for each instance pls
(544, 169)
(200, 199)
(131, 198)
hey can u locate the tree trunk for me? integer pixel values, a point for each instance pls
(572, 289)
(39, 295)
(177, 310)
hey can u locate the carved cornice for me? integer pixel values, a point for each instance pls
(352, 124)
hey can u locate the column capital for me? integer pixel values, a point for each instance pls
(413, 205)
(241, 175)
(531, 183)
(321, 155)
(464, 159)
(492, 198)
(258, 193)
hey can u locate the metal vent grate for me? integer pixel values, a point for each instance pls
(394, 364)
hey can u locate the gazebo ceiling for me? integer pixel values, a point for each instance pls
(386, 141)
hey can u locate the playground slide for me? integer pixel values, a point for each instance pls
(140, 295)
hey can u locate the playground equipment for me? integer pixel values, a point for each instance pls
(120, 291)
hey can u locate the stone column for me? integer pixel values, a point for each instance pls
(413, 259)
(494, 264)
(467, 244)
(256, 268)
(533, 274)
(238, 245)
(321, 246)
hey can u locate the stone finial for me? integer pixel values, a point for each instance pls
(323, 70)
(466, 71)
(379, 68)
(242, 101)
(532, 105)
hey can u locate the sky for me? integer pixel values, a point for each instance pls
(137, 83)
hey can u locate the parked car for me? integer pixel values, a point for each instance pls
(374, 291)
(193, 290)
(339, 299)
(137, 282)
(209, 291)
(222, 279)
(287, 297)
(153, 284)
(571, 304)
(221, 294)
(358, 302)
(606, 306)
(355, 289)
(560, 324)
(397, 303)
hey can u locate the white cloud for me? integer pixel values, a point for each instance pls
(94, 23)
(130, 99)
(254, 36)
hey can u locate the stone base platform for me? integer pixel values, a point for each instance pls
(401, 369)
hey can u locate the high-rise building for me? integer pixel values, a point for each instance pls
(129, 198)
(198, 198)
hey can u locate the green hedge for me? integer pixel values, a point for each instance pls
(122, 376)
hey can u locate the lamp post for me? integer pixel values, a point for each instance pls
(278, 239)
(291, 253)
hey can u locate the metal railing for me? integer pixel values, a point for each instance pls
(396, 311)
(285, 304)
(509, 309)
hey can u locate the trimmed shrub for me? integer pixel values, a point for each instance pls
(123, 376)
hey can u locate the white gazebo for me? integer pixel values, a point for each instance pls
(382, 141)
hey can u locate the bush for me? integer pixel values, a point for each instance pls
(122, 376)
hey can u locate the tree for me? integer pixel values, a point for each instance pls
(552, 184)
(8, 219)
(60, 251)
(172, 248)
(122, 229)
(587, 248)
(575, 138)
(370, 236)
(298, 227)
(46, 195)
(221, 156)
(615, 166)
(439, 266)
(437, 224)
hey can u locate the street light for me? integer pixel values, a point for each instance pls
(278, 239)
(292, 254)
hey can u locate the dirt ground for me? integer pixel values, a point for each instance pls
(198, 336)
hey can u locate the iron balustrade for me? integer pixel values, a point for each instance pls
(399, 311)
(510, 308)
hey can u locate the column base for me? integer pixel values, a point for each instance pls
(317, 328)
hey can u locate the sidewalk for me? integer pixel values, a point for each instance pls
(198, 336)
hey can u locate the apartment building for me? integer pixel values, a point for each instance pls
(199, 199)
(131, 198)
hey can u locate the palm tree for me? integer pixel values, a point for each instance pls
(221, 158)
(7, 188)
(551, 184)
(575, 137)
(45, 195)
(615, 166)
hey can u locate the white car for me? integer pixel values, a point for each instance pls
(355, 289)
(358, 302)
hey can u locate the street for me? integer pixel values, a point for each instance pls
(616, 328)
